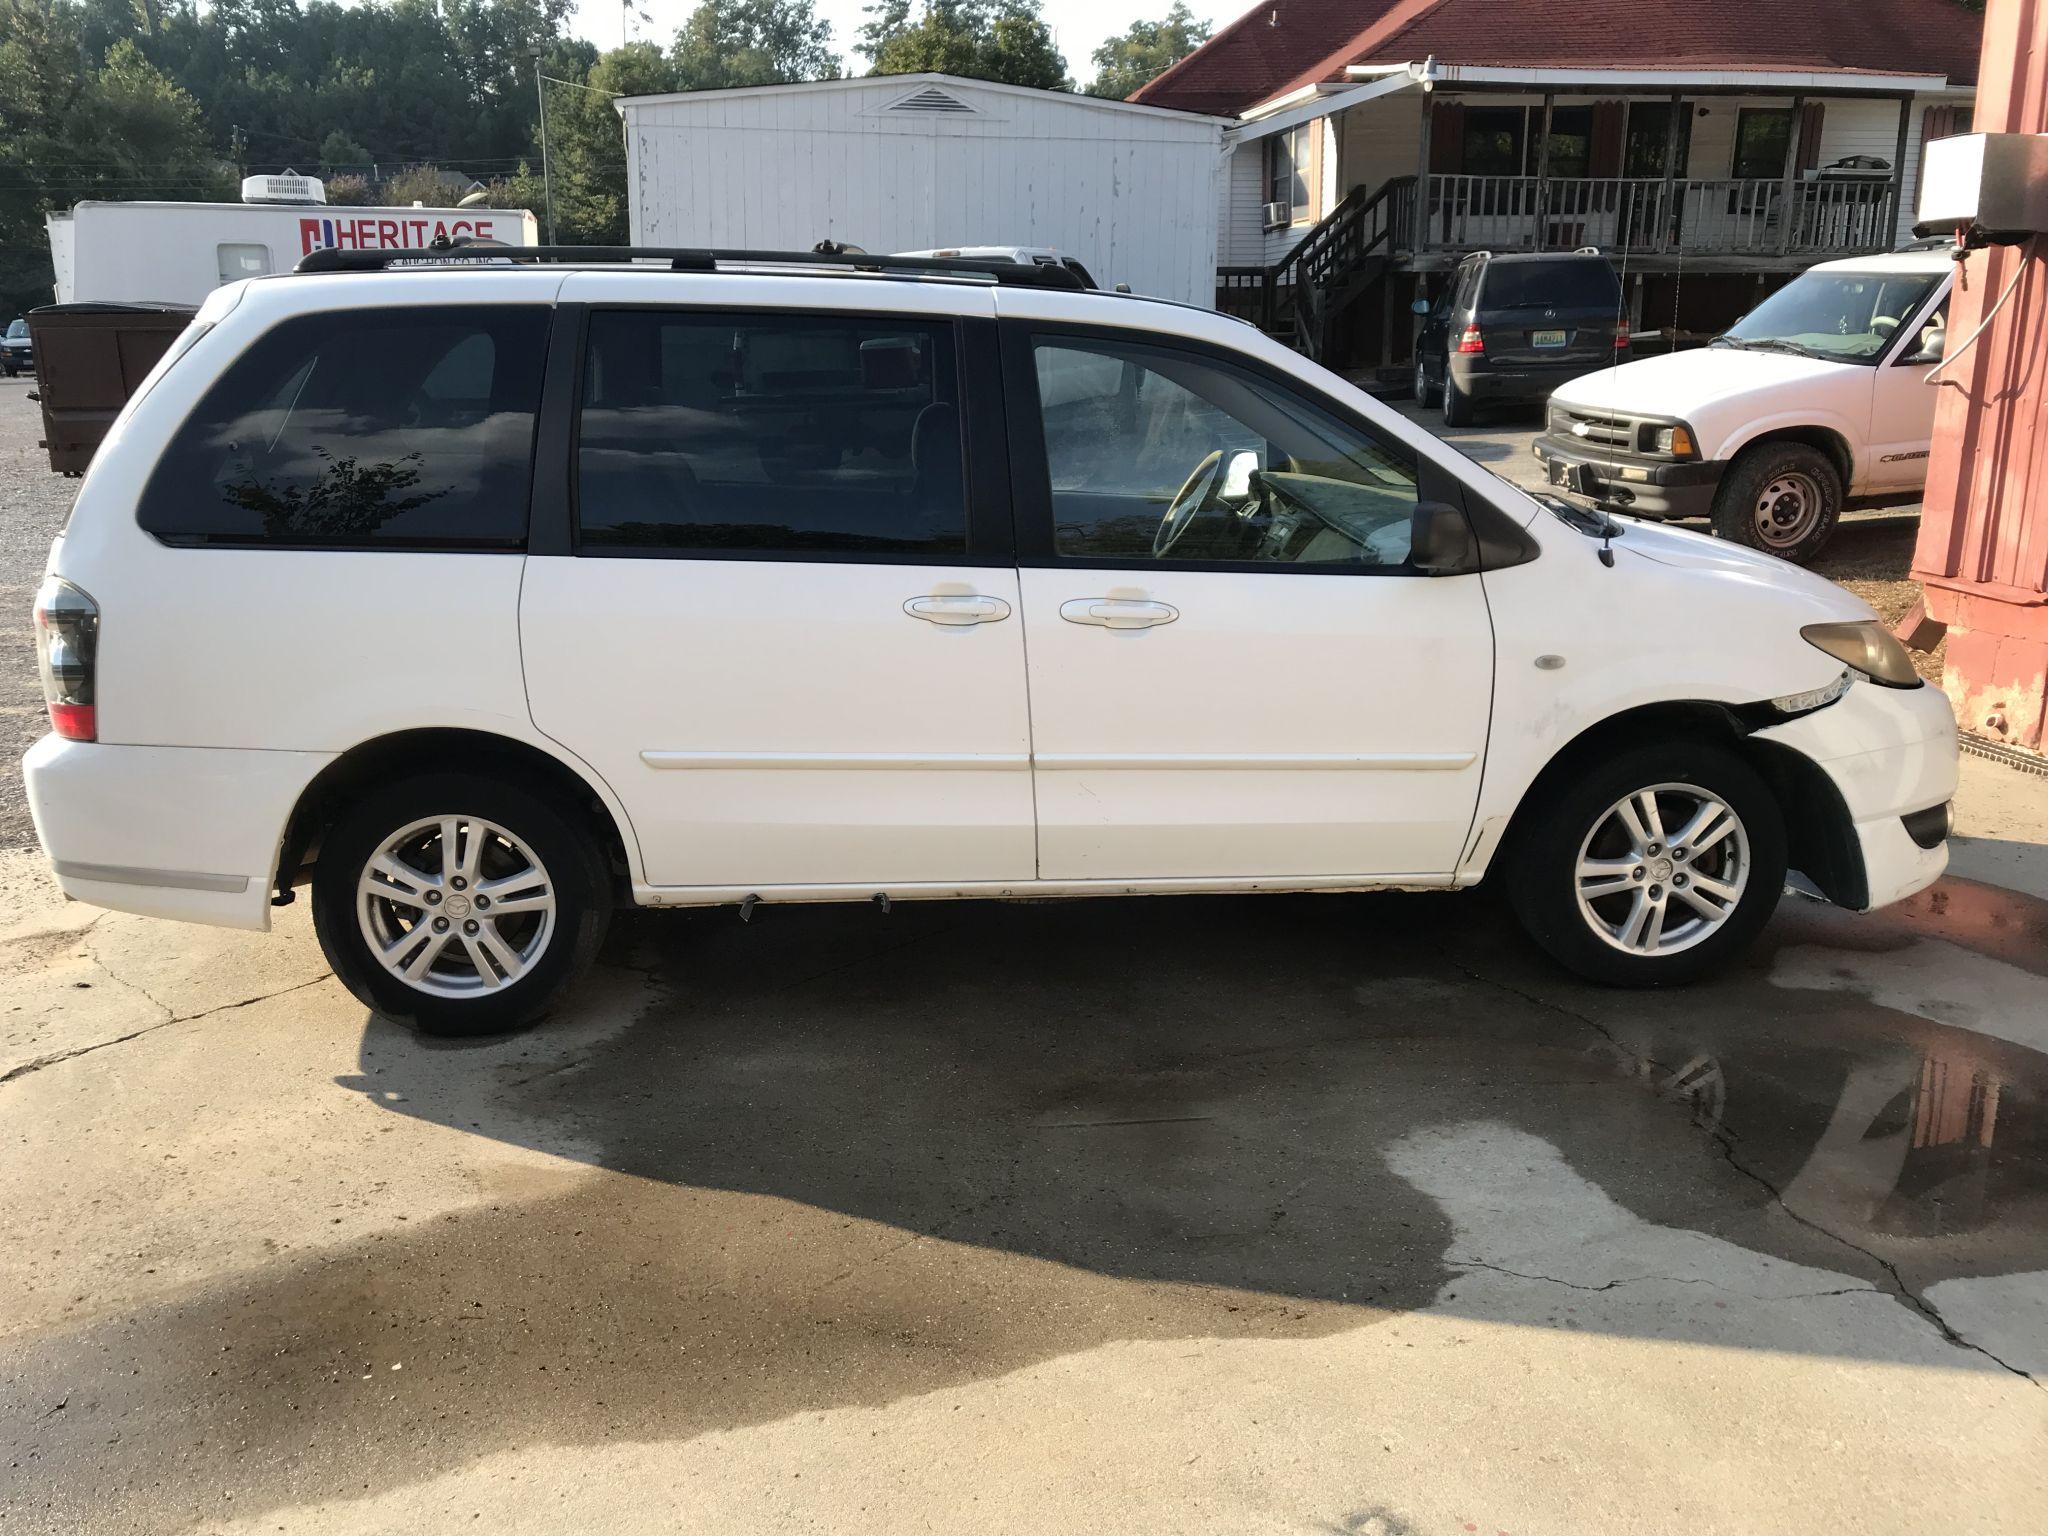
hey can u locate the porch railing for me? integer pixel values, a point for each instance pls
(1724, 216)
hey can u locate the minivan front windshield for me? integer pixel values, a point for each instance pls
(1847, 317)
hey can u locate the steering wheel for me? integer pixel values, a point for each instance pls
(1196, 495)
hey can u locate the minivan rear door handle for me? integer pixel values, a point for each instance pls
(957, 608)
(1118, 612)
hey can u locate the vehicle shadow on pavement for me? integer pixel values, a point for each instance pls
(848, 1158)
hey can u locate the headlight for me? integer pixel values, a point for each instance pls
(1867, 647)
(1676, 441)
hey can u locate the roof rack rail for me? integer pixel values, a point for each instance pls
(1007, 274)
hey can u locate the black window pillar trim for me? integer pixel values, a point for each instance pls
(1030, 478)
(991, 517)
(551, 511)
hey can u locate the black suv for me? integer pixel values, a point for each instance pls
(1516, 327)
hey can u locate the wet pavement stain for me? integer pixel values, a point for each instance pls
(842, 1159)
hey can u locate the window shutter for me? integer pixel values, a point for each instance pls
(1809, 136)
(1447, 139)
(1604, 153)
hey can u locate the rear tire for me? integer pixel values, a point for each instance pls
(1457, 404)
(1783, 498)
(474, 936)
(1607, 889)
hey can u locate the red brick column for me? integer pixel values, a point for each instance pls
(1983, 548)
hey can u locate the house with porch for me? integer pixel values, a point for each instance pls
(1711, 148)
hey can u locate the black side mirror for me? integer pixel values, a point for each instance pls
(1442, 543)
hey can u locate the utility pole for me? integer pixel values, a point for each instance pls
(546, 181)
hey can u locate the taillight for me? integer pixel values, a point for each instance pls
(67, 648)
(1471, 341)
(1621, 334)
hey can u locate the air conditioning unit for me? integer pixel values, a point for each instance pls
(1278, 213)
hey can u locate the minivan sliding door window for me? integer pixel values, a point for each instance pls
(770, 435)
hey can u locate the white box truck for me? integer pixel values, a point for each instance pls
(178, 253)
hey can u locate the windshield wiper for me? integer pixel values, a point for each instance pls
(1770, 344)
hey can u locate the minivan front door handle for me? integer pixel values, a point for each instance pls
(1118, 612)
(960, 608)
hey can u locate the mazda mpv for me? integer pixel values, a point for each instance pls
(487, 596)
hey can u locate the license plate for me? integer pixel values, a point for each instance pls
(1557, 473)
(1546, 338)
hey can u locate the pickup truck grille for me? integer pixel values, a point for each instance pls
(1606, 430)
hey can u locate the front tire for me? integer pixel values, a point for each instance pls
(461, 904)
(1783, 498)
(1653, 867)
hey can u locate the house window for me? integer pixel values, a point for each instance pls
(1287, 169)
(1495, 140)
(1649, 129)
(1571, 140)
(1763, 136)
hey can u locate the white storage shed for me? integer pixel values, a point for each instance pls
(918, 162)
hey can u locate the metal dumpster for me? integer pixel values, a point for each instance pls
(89, 359)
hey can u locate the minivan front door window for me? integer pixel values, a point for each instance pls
(1157, 455)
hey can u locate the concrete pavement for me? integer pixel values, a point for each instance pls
(1300, 1214)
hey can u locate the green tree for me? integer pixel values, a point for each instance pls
(340, 152)
(1004, 40)
(587, 145)
(1147, 50)
(752, 42)
(73, 127)
(426, 184)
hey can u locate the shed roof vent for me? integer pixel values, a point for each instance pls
(931, 99)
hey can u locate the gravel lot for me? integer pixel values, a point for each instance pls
(33, 503)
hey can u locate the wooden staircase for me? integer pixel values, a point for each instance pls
(1299, 298)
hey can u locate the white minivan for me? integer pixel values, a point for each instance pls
(1816, 398)
(488, 599)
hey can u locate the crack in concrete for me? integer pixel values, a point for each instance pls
(1577, 1285)
(53, 1058)
(1724, 1138)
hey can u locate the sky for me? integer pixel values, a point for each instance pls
(1078, 25)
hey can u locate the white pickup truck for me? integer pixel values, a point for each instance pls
(1816, 398)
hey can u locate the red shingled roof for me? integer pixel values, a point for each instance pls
(1273, 49)
(1240, 64)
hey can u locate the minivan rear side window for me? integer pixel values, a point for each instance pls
(769, 434)
(407, 428)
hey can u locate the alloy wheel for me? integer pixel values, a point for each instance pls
(1662, 869)
(455, 906)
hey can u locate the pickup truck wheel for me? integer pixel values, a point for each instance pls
(1782, 498)
(461, 904)
(1654, 867)
(1457, 404)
